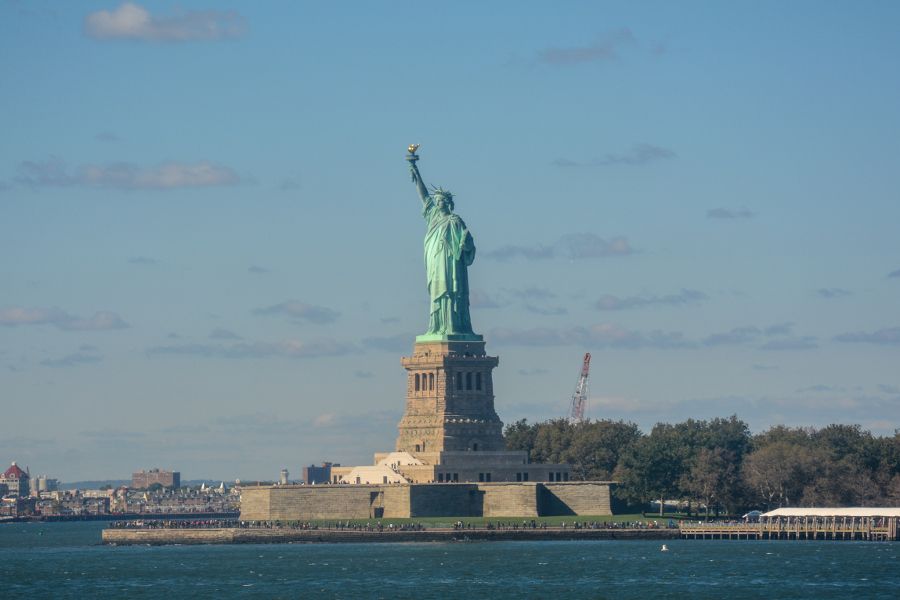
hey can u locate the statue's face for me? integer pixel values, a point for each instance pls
(443, 204)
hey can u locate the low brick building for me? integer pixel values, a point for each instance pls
(142, 480)
(313, 474)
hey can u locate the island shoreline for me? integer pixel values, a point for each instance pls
(201, 536)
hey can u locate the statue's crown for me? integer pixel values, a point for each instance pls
(439, 191)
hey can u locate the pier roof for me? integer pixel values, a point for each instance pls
(864, 511)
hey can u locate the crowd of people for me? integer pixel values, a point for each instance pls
(238, 524)
(173, 524)
(378, 526)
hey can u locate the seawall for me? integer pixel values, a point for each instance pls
(155, 537)
(421, 500)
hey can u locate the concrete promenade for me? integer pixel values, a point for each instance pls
(161, 536)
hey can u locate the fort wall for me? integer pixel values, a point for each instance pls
(310, 502)
(510, 499)
(576, 498)
(322, 502)
(444, 500)
(396, 501)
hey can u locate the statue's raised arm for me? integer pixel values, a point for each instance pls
(412, 157)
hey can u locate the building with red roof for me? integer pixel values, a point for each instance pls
(15, 480)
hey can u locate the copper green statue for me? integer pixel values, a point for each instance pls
(449, 250)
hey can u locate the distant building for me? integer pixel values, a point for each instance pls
(45, 484)
(283, 477)
(16, 507)
(15, 480)
(142, 480)
(313, 474)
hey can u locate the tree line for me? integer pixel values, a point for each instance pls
(718, 465)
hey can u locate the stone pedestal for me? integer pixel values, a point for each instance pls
(449, 400)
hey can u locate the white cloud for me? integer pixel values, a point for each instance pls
(533, 292)
(101, 321)
(606, 47)
(747, 334)
(125, 176)
(166, 175)
(547, 311)
(133, 22)
(300, 310)
(729, 213)
(20, 315)
(289, 185)
(71, 360)
(533, 371)
(603, 335)
(638, 155)
(481, 299)
(325, 420)
(887, 336)
(806, 342)
(738, 335)
(284, 349)
(573, 246)
(684, 297)
(223, 334)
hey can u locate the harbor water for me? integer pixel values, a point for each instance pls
(66, 560)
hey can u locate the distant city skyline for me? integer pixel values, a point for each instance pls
(702, 195)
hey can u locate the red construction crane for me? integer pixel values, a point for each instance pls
(579, 398)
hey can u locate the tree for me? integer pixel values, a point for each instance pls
(652, 467)
(597, 446)
(781, 433)
(552, 441)
(593, 448)
(887, 473)
(840, 483)
(778, 472)
(520, 436)
(892, 491)
(712, 478)
(731, 435)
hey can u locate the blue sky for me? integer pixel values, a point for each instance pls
(210, 248)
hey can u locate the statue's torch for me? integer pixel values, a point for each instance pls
(412, 157)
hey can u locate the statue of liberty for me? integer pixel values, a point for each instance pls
(449, 250)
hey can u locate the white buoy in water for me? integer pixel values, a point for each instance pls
(664, 548)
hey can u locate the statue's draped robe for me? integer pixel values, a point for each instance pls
(449, 250)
